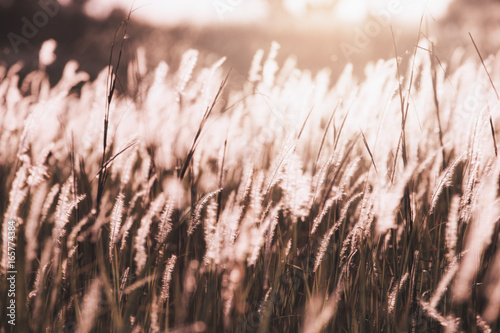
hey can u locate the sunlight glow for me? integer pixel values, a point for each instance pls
(201, 12)
(351, 10)
(295, 7)
(196, 12)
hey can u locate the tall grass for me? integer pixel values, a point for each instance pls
(288, 203)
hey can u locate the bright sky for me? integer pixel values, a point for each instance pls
(200, 12)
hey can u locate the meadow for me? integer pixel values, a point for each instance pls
(285, 202)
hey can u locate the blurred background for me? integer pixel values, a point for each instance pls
(318, 33)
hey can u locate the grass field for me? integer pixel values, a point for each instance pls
(286, 203)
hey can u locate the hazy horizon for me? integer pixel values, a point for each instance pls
(199, 12)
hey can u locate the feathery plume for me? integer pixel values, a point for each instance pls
(482, 324)
(297, 189)
(209, 82)
(480, 233)
(90, 307)
(450, 323)
(130, 219)
(255, 68)
(137, 284)
(445, 180)
(199, 209)
(395, 292)
(73, 236)
(16, 196)
(256, 195)
(186, 67)
(128, 167)
(65, 206)
(212, 234)
(348, 174)
(165, 222)
(49, 201)
(39, 285)
(123, 282)
(318, 219)
(317, 318)
(143, 232)
(155, 326)
(32, 224)
(230, 285)
(246, 184)
(451, 227)
(326, 239)
(37, 174)
(116, 220)
(167, 277)
(265, 301)
(388, 200)
(63, 211)
(46, 55)
(270, 66)
(443, 284)
(288, 248)
(492, 309)
(125, 230)
(258, 236)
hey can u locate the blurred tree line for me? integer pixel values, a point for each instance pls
(26, 24)
(88, 40)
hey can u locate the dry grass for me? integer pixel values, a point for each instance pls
(288, 203)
